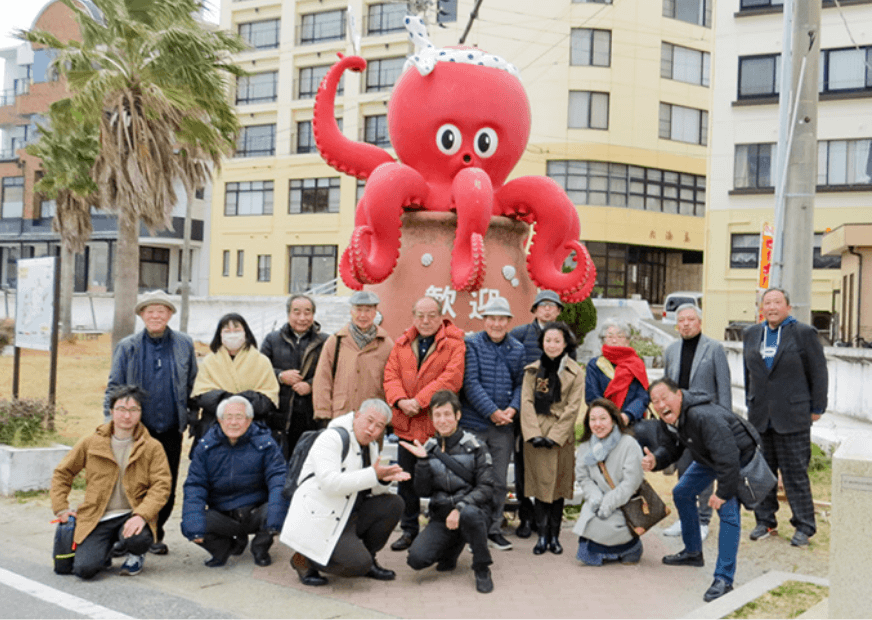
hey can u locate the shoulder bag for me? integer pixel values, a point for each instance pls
(756, 480)
(644, 509)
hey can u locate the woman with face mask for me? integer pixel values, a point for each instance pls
(235, 366)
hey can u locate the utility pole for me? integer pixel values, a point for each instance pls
(797, 155)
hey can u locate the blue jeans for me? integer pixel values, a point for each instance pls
(694, 481)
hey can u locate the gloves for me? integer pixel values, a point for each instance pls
(539, 442)
(606, 507)
(549, 443)
(594, 505)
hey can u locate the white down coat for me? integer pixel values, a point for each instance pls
(322, 505)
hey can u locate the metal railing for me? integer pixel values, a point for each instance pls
(325, 288)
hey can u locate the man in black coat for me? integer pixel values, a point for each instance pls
(455, 471)
(720, 444)
(294, 351)
(785, 391)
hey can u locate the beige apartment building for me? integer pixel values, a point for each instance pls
(620, 95)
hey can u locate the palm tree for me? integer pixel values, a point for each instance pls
(156, 82)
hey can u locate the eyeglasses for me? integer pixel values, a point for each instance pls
(547, 304)
(127, 409)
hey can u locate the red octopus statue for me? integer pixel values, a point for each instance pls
(458, 132)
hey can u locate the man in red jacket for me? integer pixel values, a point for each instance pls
(428, 357)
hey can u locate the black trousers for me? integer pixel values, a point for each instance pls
(412, 503)
(171, 441)
(525, 504)
(92, 554)
(224, 527)
(790, 453)
(365, 534)
(439, 544)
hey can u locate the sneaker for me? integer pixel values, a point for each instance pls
(132, 565)
(159, 548)
(763, 531)
(703, 532)
(498, 541)
(483, 581)
(673, 530)
(800, 539)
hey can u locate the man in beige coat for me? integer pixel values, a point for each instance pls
(352, 363)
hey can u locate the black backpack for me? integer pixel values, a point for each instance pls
(301, 451)
(64, 547)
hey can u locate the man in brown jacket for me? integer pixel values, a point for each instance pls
(352, 363)
(128, 482)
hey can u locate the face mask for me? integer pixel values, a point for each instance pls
(233, 341)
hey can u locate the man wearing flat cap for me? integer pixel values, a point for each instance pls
(352, 363)
(491, 399)
(161, 362)
(546, 307)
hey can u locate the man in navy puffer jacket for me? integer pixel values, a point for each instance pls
(234, 487)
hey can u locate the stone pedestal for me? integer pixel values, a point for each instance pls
(424, 268)
(28, 469)
(850, 542)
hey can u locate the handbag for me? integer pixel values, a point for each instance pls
(756, 480)
(644, 509)
(64, 548)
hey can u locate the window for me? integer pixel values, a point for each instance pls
(446, 11)
(620, 185)
(386, 17)
(375, 130)
(257, 88)
(754, 4)
(697, 12)
(314, 195)
(225, 263)
(248, 198)
(846, 70)
(47, 208)
(683, 124)
(754, 166)
(845, 162)
(744, 249)
(261, 35)
(311, 265)
(588, 110)
(200, 193)
(591, 47)
(684, 64)
(21, 86)
(309, 78)
(12, 199)
(358, 192)
(819, 261)
(256, 141)
(154, 268)
(240, 263)
(324, 26)
(759, 76)
(305, 140)
(381, 73)
(264, 267)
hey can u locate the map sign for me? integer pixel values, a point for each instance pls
(34, 308)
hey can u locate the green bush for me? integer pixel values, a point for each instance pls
(26, 422)
(7, 333)
(581, 318)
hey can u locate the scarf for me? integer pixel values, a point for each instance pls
(362, 338)
(628, 366)
(546, 389)
(601, 448)
(249, 370)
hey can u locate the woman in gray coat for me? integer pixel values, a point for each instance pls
(602, 530)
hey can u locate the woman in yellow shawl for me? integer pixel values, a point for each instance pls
(235, 366)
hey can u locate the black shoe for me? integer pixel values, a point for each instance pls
(498, 541)
(239, 544)
(554, 546)
(380, 573)
(158, 548)
(308, 575)
(525, 529)
(541, 546)
(684, 558)
(215, 562)
(483, 581)
(761, 531)
(262, 559)
(403, 542)
(718, 588)
(446, 565)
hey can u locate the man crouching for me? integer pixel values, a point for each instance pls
(455, 471)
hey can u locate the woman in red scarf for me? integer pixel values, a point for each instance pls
(618, 374)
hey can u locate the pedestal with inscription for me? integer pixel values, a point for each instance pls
(424, 268)
(850, 542)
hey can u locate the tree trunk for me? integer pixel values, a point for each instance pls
(186, 260)
(68, 261)
(126, 275)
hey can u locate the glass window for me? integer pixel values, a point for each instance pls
(589, 47)
(261, 35)
(240, 263)
(264, 267)
(819, 261)
(12, 198)
(309, 78)
(381, 73)
(759, 76)
(683, 124)
(753, 4)
(314, 195)
(684, 64)
(99, 267)
(386, 17)
(225, 263)
(446, 11)
(846, 69)
(323, 26)
(154, 268)
(753, 166)
(375, 130)
(248, 198)
(305, 138)
(697, 12)
(256, 141)
(310, 266)
(744, 249)
(845, 162)
(257, 88)
(588, 110)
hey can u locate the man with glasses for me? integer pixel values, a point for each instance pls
(128, 482)
(427, 358)
(162, 362)
(352, 363)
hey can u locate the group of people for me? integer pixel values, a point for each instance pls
(463, 408)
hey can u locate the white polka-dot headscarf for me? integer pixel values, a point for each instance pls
(426, 55)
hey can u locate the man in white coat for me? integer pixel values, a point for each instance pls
(342, 513)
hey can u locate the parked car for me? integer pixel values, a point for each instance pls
(674, 300)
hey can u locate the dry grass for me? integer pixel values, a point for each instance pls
(789, 600)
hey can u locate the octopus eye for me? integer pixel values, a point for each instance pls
(448, 139)
(486, 142)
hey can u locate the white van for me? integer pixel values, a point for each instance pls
(674, 300)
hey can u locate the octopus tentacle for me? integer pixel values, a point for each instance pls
(347, 273)
(472, 198)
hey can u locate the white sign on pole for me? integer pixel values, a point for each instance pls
(34, 307)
